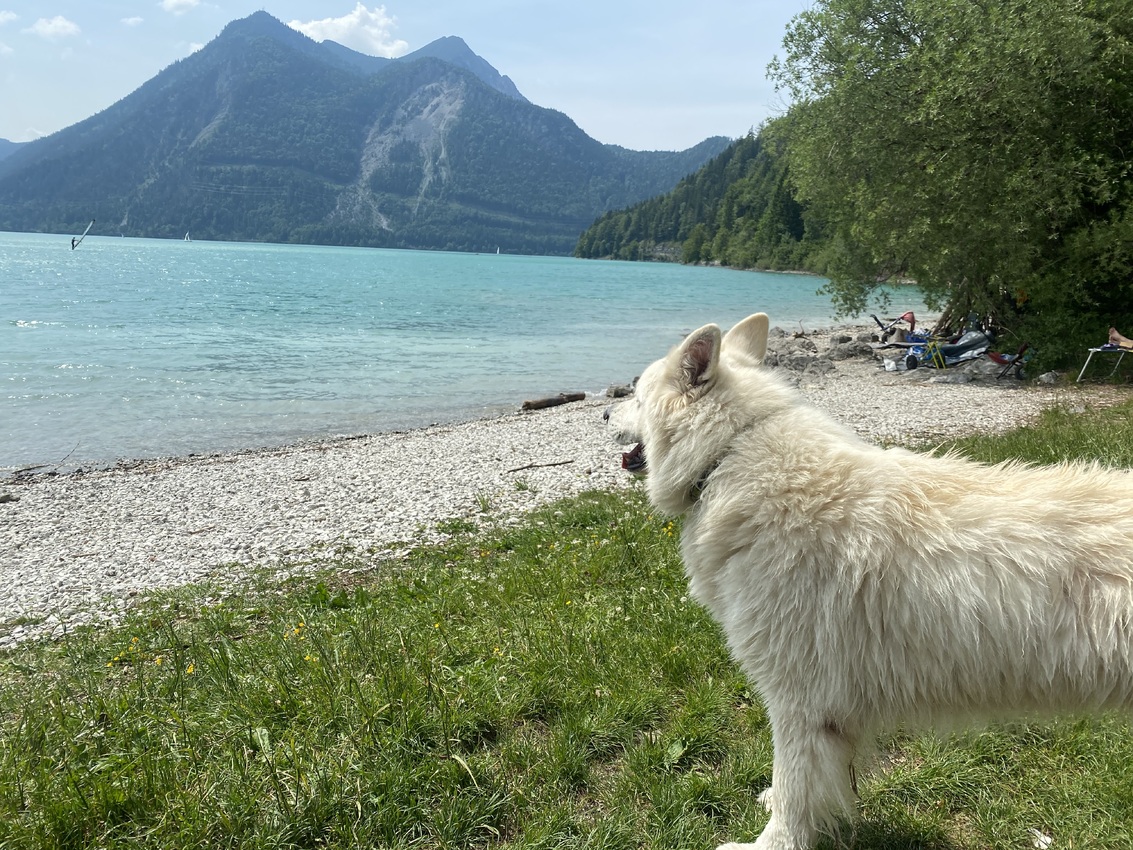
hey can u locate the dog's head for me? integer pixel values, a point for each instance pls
(686, 409)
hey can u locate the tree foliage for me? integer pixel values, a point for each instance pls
(981, 148)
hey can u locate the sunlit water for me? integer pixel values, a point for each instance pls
(129, 348)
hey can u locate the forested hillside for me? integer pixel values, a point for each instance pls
(738, 210)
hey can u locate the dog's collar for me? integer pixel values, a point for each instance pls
(698, 486)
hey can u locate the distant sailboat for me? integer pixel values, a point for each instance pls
(497, 249)
(187, 239)
(75, 243)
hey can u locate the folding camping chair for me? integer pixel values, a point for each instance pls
(1108, 348)
(1015, 363)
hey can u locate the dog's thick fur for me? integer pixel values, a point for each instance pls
(861, 588)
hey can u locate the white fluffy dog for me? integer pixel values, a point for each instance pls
(860, 587)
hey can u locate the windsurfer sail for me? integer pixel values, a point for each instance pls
(76, 242)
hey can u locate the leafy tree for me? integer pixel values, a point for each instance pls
(981, 148)
(693, 249)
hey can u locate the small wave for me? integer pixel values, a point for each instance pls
(33, 323)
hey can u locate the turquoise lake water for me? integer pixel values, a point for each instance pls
(129, 348)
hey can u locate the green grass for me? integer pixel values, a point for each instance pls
(1105, 436)
(548, 685)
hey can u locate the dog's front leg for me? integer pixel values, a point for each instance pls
(811, 781)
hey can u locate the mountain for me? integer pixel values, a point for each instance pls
(267, 135)
(454, 51)
(8, 148)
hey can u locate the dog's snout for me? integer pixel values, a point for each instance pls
(606, 413)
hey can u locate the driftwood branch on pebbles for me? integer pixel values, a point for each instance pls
(553, 401)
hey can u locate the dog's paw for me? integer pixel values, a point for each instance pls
(772, 840)
(766, 798)
(760, 844)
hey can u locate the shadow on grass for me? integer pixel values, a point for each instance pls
(877, 834)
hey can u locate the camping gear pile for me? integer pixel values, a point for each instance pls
(927, 348)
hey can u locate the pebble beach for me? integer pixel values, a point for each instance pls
(83, 546)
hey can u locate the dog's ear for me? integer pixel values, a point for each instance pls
(750, 336)
(697, 358)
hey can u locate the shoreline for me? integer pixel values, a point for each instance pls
(80, 547)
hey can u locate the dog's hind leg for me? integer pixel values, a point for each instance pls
(810, 783)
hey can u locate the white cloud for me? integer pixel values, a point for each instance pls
(179, 7)
(54, 29)
(132, 22)
(7, 17)
(366, 30)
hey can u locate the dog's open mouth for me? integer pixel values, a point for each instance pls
(634, 459)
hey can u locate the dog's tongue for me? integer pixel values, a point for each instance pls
(634, 460)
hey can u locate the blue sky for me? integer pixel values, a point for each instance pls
(644, 74)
